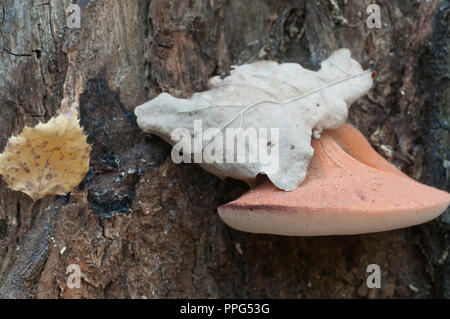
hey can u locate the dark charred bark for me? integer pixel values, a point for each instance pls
(140, 226)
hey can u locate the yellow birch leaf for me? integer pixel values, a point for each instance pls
(49, 159)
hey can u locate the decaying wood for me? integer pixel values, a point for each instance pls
(140, 226)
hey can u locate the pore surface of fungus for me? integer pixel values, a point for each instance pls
(349, 189)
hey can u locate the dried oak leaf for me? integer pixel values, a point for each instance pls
(49, 159)
(264, 94)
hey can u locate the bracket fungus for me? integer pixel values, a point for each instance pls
(336, 184)
(349, 189)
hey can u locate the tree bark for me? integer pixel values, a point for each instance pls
(139, 226)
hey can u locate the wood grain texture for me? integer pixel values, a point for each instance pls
(140, 226)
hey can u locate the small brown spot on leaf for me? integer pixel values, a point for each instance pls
(58, 189)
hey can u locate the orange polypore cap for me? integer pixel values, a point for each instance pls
(349, 189)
